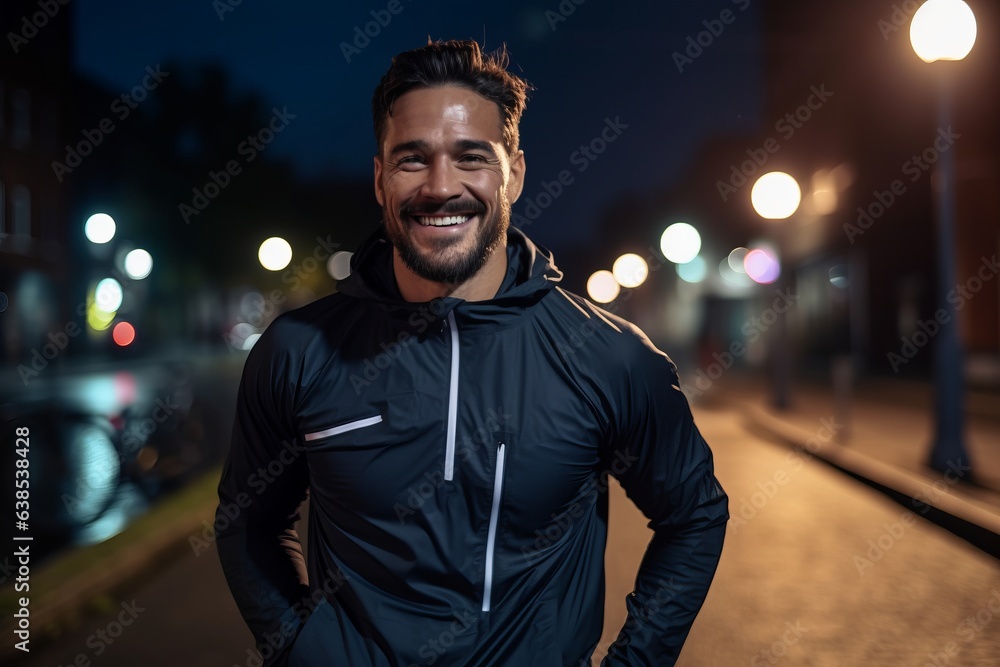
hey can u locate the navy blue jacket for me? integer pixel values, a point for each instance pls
(456, 457)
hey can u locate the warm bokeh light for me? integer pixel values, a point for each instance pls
(99, 228)
(123, 334)
(108, 295)
(943, 30)
(138, 264)
(339, 264)
(762, 266)
(824, 197)
(693, 271)
(630, 270)
(735, 259)
(775, 196)
(602, 287)
(275, 253)
(680, 243)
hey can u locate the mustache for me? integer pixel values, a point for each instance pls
(448, 207)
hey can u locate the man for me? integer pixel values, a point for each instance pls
(455, 415)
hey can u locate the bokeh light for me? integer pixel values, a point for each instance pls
(602, 287)
(138, 264)
(123, 334)
(762, 266)
(775, 196)
(943, 30)
(694, 271)
(630, 270)
(99, 228)
(275, 253)
(339, 264)
(680, 243)
(735, 259)
(97, 319)
(108, 295)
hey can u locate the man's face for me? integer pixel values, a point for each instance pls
(445, 182)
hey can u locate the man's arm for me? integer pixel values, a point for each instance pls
(263, 483)
(666, 468)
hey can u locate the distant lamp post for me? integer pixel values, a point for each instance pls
(946, 30)
(775, 196)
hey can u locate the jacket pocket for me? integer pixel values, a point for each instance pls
(329, 638)
(343, 428)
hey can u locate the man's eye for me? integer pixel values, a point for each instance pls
(473, 158)
(410, 159)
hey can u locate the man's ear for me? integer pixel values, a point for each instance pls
(379, 192)
(516, 182)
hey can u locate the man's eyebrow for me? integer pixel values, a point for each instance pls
(461, 144)
(415, 145)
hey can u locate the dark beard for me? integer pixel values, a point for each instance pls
(488, 237)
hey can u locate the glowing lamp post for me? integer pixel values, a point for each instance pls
(775, 196)
(946, 30)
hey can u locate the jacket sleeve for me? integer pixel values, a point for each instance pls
(666, 469)
(264, 481)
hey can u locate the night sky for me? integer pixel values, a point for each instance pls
(605, 60)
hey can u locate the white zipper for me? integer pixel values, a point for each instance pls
(343, 428)
(491, 539)
(449, 450)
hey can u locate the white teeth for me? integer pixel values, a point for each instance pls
(443, 222)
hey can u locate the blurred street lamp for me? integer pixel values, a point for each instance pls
(138, 264)
(99, 228)
(775, 196)
(274, 253)
(946, 30)
(630, 270)
(602, 287)
(680, 243)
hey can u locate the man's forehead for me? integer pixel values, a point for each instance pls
(447, 105)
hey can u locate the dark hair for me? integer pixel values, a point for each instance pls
(455, 62)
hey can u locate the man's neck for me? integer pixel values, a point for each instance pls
(480, 287)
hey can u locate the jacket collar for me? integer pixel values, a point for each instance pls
(531, 274)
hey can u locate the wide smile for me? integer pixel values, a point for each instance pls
(451, 221)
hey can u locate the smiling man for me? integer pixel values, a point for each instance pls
(455, 415)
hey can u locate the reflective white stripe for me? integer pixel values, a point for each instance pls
(343, 428)
(492, 538)
(449, 449)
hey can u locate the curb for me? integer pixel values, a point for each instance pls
(919, 489)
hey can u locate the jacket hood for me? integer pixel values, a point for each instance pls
(531, 274)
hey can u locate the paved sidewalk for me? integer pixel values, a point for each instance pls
(884, 436)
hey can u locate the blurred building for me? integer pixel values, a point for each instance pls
(34, 253)
(851, 112)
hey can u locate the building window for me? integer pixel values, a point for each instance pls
(20, 211)
(20, 125)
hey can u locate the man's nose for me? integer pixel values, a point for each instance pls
(442, 181)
